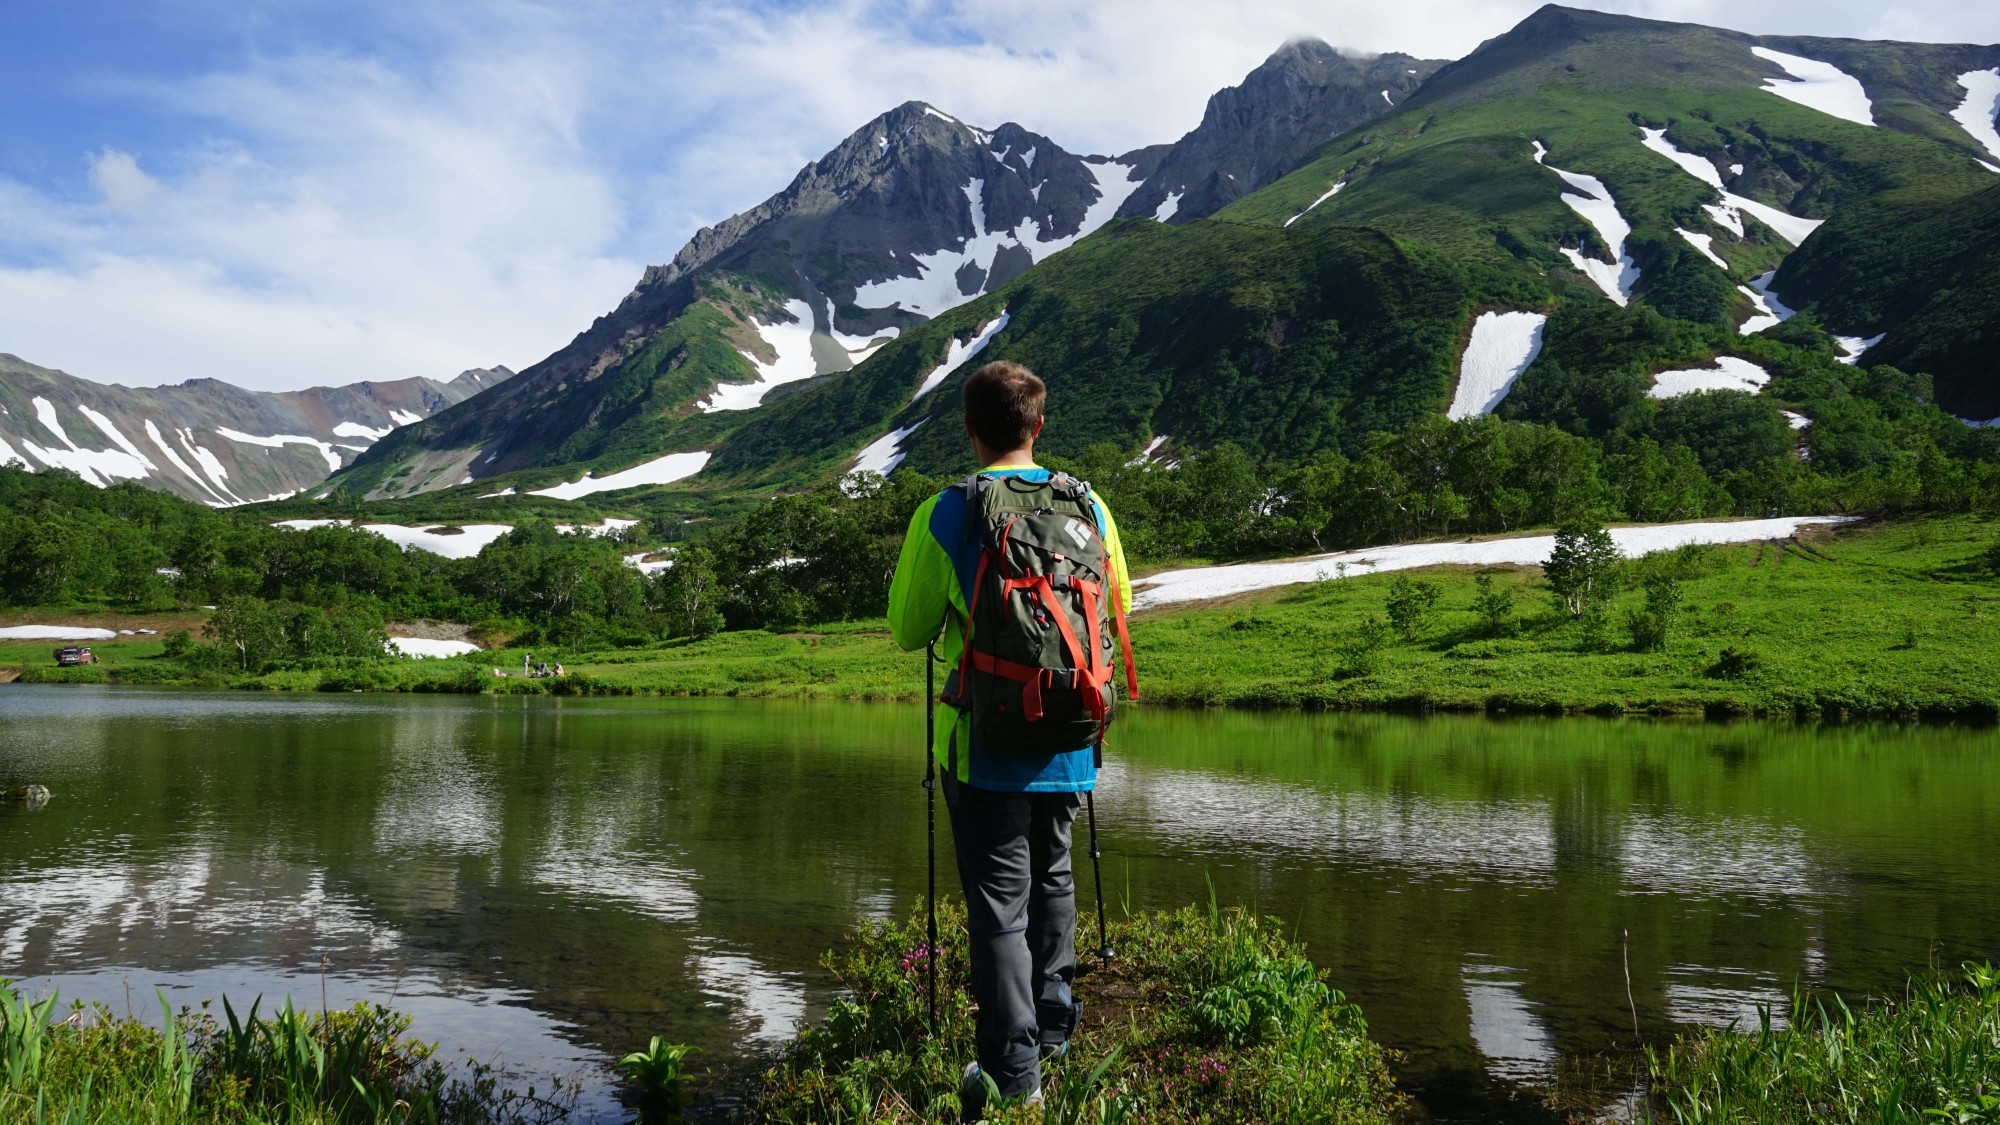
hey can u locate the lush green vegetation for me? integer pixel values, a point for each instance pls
(1931, 1055)
(355, 1065)
(1200, 1018)
(1889, 619)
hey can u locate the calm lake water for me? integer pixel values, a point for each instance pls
(545, 883)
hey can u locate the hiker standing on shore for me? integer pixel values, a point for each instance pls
(1031, 560)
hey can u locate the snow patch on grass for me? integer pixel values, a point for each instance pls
(882, 455)
(958, 353)
(1704, 243)
(1818, 85)
(1503, 344)
(1729, 213)
(1146, 454)
(660, 470)
(1770, 310)
(1593, 201)
(55, 633)
(1981, 106)
(470, 539)
(1328, 194)
(424, 647)
(793, 344)
(1728, 374)
(1854, 347)
(1200, 583)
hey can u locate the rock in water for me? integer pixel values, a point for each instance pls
(33, 796)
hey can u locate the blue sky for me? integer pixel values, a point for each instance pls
(287, 192)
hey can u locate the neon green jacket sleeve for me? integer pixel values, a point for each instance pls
(923, 586)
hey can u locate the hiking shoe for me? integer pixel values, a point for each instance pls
(971, 1093)
(1054, 1050)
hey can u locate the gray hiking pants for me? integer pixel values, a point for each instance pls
(1013, 861)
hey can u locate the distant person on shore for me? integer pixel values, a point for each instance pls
(1031, 559)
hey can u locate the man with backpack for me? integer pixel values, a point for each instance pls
(1025, 563)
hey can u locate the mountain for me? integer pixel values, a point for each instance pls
(1302, 96)
(204, 439)
(1582, 218)
(911, 216)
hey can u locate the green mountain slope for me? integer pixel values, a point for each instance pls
(1640, 183)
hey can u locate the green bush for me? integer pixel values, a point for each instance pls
(1410, 604)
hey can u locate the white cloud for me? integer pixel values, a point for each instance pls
(479, 191)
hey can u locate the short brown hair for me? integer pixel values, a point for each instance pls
(1003, 401)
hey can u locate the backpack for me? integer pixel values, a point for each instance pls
(1035, 671)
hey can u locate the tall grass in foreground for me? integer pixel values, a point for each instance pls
(1933, 1056)
(1203, 1017)
(352, 1065)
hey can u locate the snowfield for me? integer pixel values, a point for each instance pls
(793, 344)
(1324, 196)
(1729, 213)
(357, 430)
(1855, 347)
(279, 441)
(958, 353)
(1146, 454)
(421, 647)
(1201, 583)
(934, 287)
(55, 633)
(660, 470)
(473, 537)
(1818, 85)
(1704, 243)
(858, 348)
(1503, 344)
(98, 466)
(1771, 312)
(1981, 105)
(1728, 374)
(1168, 206)
(886, 452)
(1596, 205)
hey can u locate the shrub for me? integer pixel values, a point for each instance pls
(1360, 650)
(1733, 664)
(1494, 604)
(1410, 605)
(1581, 568)
(1653, 626)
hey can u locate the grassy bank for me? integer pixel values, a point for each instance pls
(1932, 1055)
(1891, 619)
(1201, 1017)
(79, 1065)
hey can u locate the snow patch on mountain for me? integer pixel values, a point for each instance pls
(1324, 196)
(279, 441)
(1168, 206)
(1795, 420)
(1200, 583)
(1818, 85)
(886, 452)
(1729, 213)
(1854, 347)
(1593, 201)
(467, 542)
(934, 288)
(1704, 243)
(98, 466)
(8, 456)
(1728, 374)
(1146, 454)
(793, 344)
(110, 430)
(958, 353)
(1977, 113)
(1771, 312)
(859, 348)
(357, 430)
(1503, 344)
(660, 470)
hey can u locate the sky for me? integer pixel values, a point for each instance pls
(287, 193)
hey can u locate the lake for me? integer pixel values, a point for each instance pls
(547, 882)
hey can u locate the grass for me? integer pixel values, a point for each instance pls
(1890, 619)
(1932, 1056)
(355, 1065)
(1202, 1017)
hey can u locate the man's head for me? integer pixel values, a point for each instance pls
(1003, 409)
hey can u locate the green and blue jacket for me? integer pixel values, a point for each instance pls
(932, 590)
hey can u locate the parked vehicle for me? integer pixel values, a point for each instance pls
(75, 655)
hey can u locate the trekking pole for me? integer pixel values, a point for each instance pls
(930, 816)
(1096, 868)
